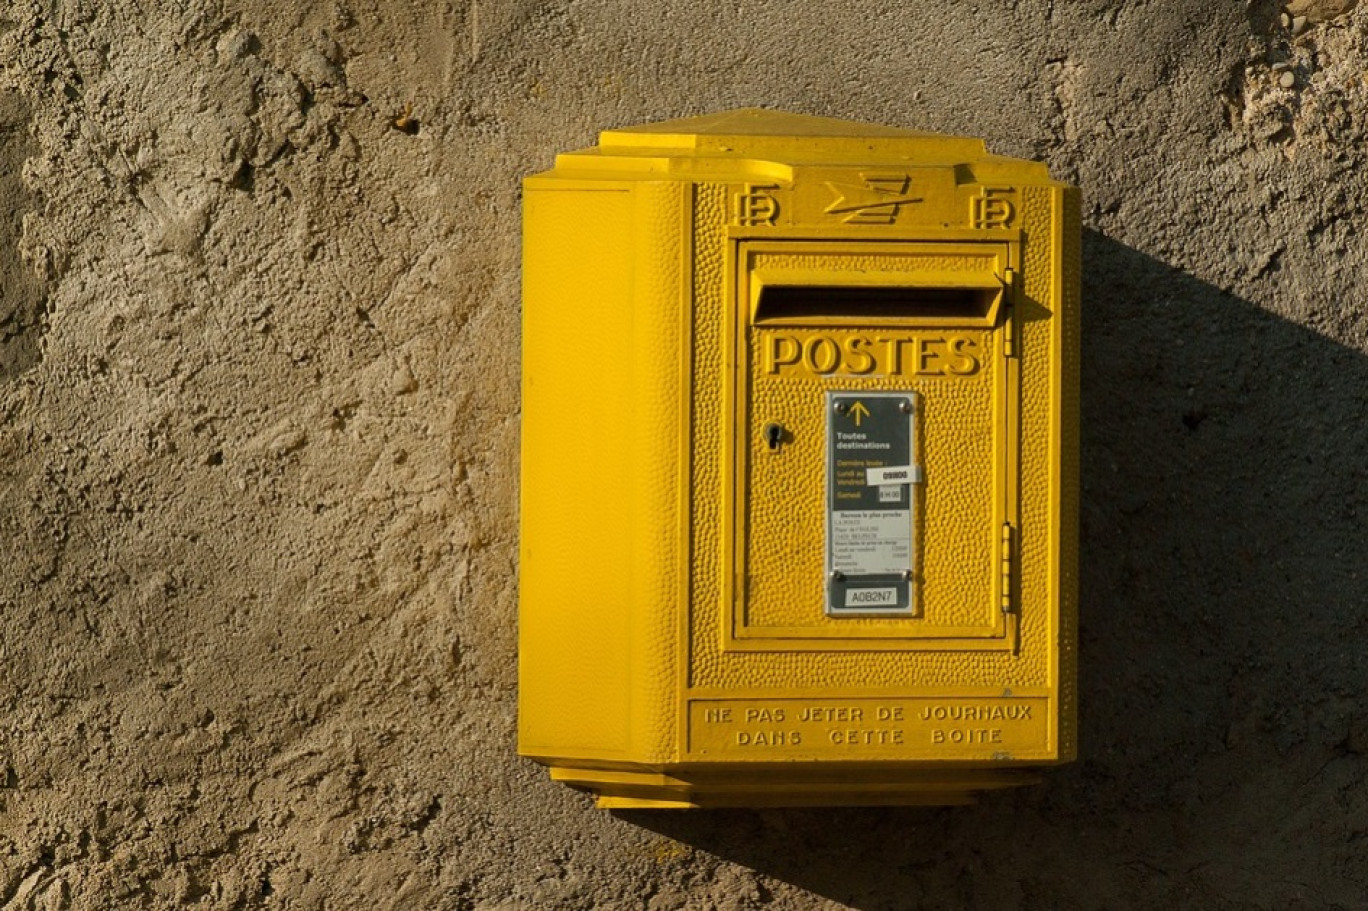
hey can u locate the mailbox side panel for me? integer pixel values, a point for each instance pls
(1067, 281)
(574, 671)
(603, 541)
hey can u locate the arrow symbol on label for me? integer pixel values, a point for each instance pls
(859, 411)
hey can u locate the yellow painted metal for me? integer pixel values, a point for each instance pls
(686, 286)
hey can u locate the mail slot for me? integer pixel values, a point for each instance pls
(799, 466)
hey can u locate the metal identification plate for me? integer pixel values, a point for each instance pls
(871, 470)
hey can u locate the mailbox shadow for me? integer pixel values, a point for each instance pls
(1224, 679)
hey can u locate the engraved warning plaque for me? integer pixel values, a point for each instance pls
(931, 727)
(871, 473)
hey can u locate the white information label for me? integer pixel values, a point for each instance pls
(891, 474)
(871, 542)
(871, 597)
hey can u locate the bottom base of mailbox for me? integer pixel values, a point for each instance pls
(788, 786)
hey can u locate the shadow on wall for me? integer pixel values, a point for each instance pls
(1224, 687)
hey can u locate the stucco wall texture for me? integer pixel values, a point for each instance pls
(259, 422)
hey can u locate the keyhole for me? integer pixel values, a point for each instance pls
(774, 435)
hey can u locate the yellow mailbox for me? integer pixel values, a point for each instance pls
(799, 465)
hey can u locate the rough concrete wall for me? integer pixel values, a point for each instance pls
(258, 427)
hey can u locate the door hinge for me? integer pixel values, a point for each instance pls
(1007, 555)
(1011, 613)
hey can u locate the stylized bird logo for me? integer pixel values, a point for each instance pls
(876, 202)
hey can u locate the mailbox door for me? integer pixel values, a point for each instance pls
(876, 459)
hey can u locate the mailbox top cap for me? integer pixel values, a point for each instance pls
(782, 138)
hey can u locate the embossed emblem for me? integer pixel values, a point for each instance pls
(994, 207)
(755, 207)
(877, 201)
